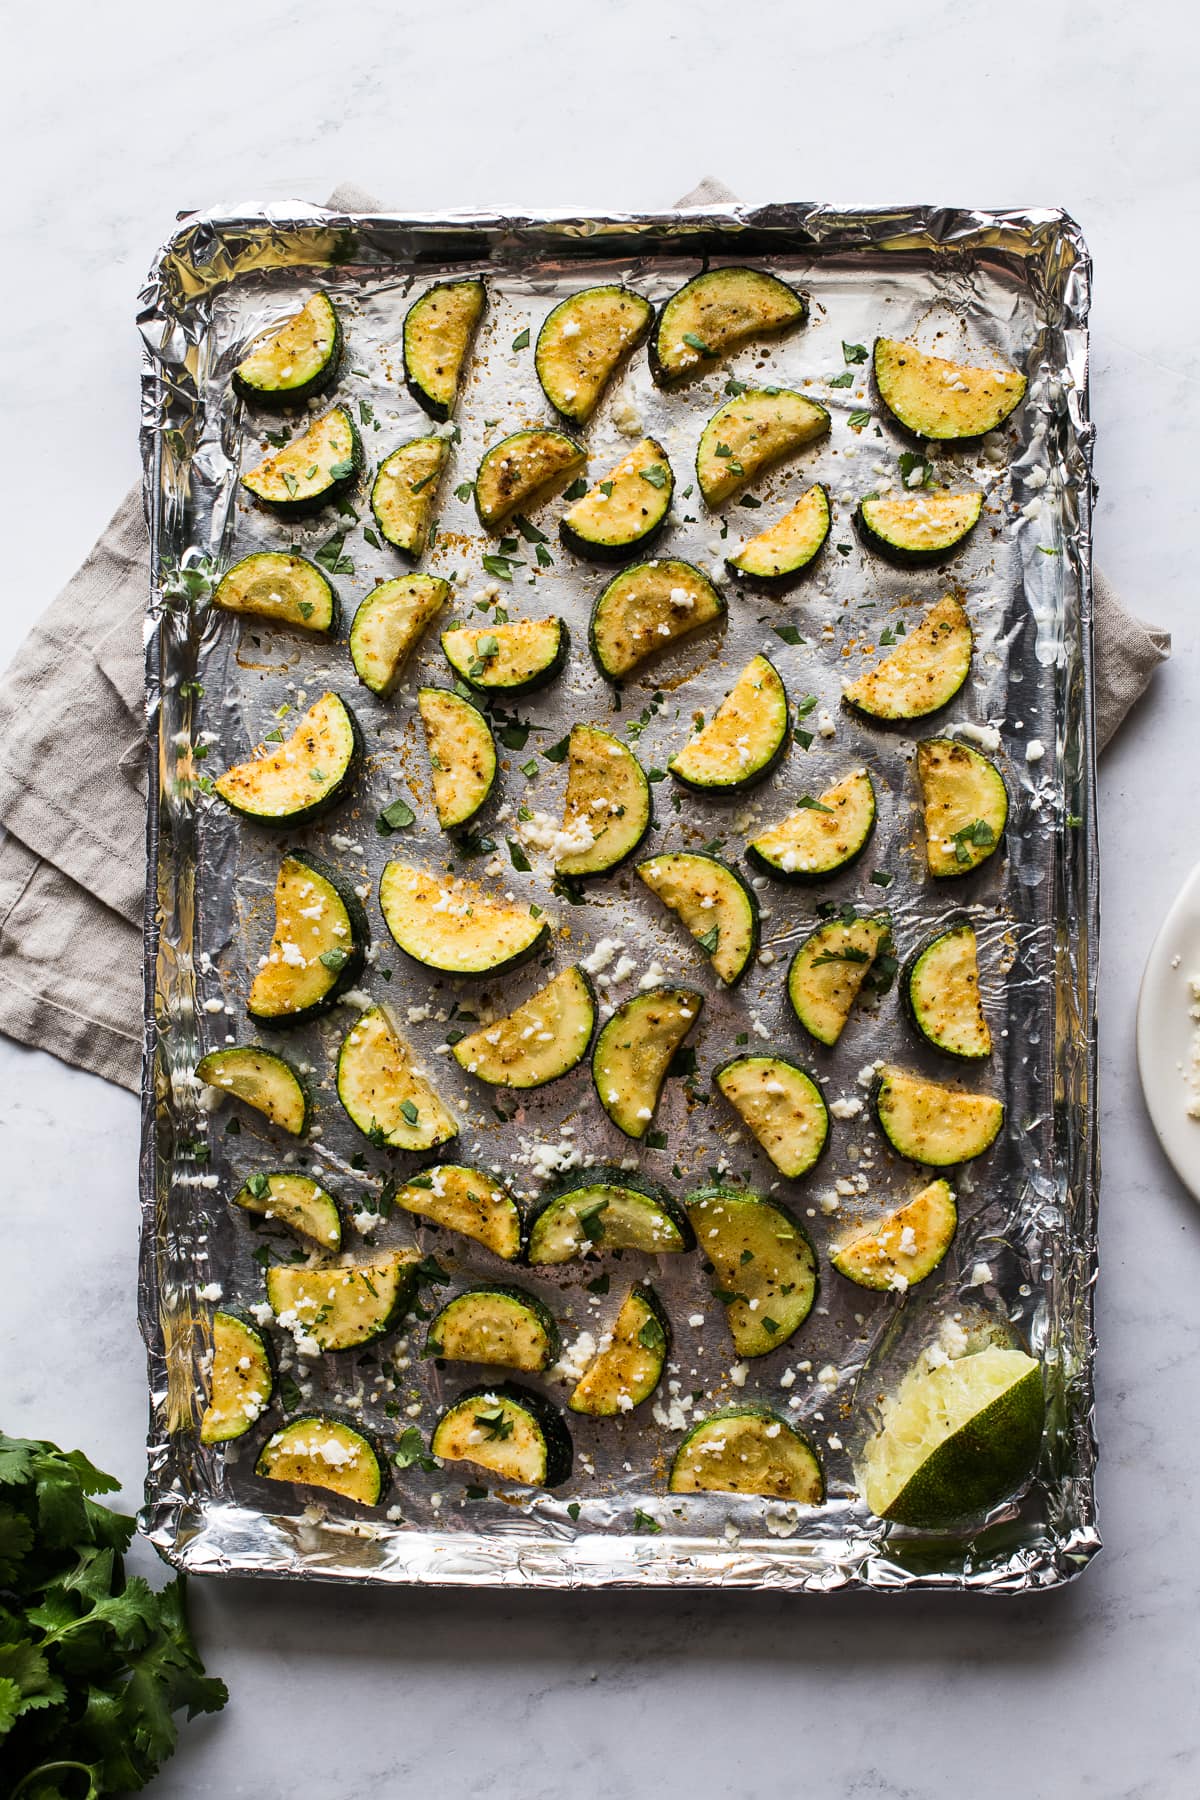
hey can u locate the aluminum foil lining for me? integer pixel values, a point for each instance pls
(1013, 284)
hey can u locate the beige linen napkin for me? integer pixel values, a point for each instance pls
(73, 787)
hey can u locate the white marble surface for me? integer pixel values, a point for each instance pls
(119, 115)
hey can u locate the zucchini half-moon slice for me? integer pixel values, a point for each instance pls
(507, 659)
(714, 903)
(751, 433)
(242, 1380)
(941, 993)
(404, 492)
(438, 329)
(312, 470)
(822, 835)
(644, 609)
(626, 510)
(764, 1264)
(383, 1093)
(716, 312)
(633, 1053)
(744, 740)
(294, 361)
(783, 1106)
(776, 556)
(340, 1305)
(748, 1450)
(462, 755)
(607, 798)
(261, 1080)
(296, 1201)
(904, 1246)
(629, 1365)
(946, 401)
(523, 469)
(388, 624)
(540, 1040)
(507, 1326)
(923, 673)
(317, 1451)
(281, 588)
(581, 343)
(450, 926)
(295, 782)
(606, 1208)
(317, 948)
(966, 806)
(828, 970)
(468, 1201)
(509, 1431)
(928, 1123)
(913, 529)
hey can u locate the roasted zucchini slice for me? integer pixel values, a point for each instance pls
(946, 401)
(317, 948)
(822, 835)
(295, 361)
(629, 1363)
(522, 470)
(913, 529)
(488, 1324)
(467, 1201)
(279, 587)
(539, 1041)
(450, 926)
(647, 607)
(904, 1246)
(404, 492)
(438, 329)
(295, 782)
(748, 1450)
(626, 510)
(966, 806)
(716, 312)
(606, 1208)
(607, 800)
(714, 903)
(241, 1382)
(462, 755)
(342, 1305)
(941, 993)
(829, 968)
(931, 1124)
(507, 659)
(923, 673)
(296, 1201)
(382, 1091)
(751, 433)
(744, 740)
(388, 624)
(764, 1264)
(259, 1079)
(581, 343)
(317, 1451)
(312, 470)
(633, 1053)
(508, 1430)
(782, 1105)
(776, 556)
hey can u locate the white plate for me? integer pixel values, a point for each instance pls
(1165, 1030)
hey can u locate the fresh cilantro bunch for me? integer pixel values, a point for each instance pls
(92, 1665)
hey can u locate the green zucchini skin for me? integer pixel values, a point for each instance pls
(318, 383)
(331, 795)
(796, 1476)
(282, 1093)
(356, 950)
(655, 501)
(374, 1485)
(593, 1181)
(903, 556)
(539, 677)
(947, 1143)
(591, 1396)
(791, 310)
(636, 1016)
(335, 487)
(234, 595)
(694, 865)
(581, 310)
(429, 402)
(804, 553)
(256, 1350)
(760, 765)
(783, 1249)
(954, 927)
(519, 1301)
(612, 628)
(405, 889)
(462, 788)
(556, 1439)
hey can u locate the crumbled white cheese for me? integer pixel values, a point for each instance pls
(848, 1107)
(1034, 750)
(541, 832)
(981, 1274)
(212, 1292)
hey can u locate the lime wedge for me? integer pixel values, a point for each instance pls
(956, 1439)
